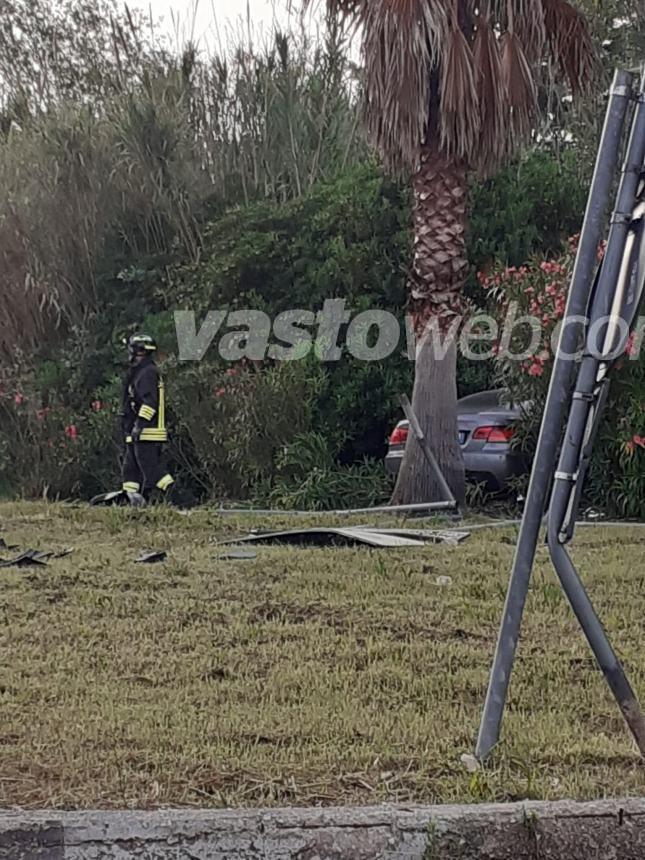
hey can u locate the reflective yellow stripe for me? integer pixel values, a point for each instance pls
(162, 406)
(131, 487)
(165, 482)
(146, 412)
(128, 439)
(151, 434)
(156, 433)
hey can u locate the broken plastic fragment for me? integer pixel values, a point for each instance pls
(470, 762)
(153, 557)
(30, 558)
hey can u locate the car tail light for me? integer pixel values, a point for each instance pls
(399, 436)
(493, 434)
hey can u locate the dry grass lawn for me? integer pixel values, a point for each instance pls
(305, 676)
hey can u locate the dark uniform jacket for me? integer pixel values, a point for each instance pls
(144, 418)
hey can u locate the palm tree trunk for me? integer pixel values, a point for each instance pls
(436, 283)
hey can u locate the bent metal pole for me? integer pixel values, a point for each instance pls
(583, 421)
(554, 412)
(621, 272)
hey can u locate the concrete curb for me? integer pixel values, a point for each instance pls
(603, 830)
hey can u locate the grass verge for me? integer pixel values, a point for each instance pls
(305, 676)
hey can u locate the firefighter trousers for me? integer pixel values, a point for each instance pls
(144, 468)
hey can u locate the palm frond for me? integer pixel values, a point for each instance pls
(520, 88)
(528, 23)
(491, 96)
(460, 120)
(570, 43)
(401, 44)
(347, 8)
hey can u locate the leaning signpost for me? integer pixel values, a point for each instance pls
(601, 313)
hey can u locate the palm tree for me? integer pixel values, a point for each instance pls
(449, 92)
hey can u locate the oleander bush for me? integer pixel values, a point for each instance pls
(616, 480)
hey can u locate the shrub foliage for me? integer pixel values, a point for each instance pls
(616, 482)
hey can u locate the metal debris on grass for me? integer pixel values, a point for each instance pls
(152, 557)
(34, 557)
(450, 536)
(55, 554)
(30, 558)
(371, 537)
(106, 500)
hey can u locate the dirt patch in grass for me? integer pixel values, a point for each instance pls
(302, 676)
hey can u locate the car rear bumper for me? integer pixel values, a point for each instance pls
(393, 462)
(495, 468)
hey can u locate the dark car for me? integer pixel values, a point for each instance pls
(486, 422)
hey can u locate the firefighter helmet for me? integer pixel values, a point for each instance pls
(140, 344)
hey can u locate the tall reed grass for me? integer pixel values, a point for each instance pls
(109, 137)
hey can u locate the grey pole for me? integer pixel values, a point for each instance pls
(554, 413)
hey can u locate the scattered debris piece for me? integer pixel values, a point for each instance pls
(329, 537)
(373, 537)
(5, 545)
(238, 555)
(107, 500)
(443, 580)
(153, 557)
(120, 499)
(592, 515)
(30, 558)
(451, 536)
(469, 761)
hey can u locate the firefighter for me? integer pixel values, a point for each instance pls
(144, 427)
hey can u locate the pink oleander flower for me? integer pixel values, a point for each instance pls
(630, 347)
